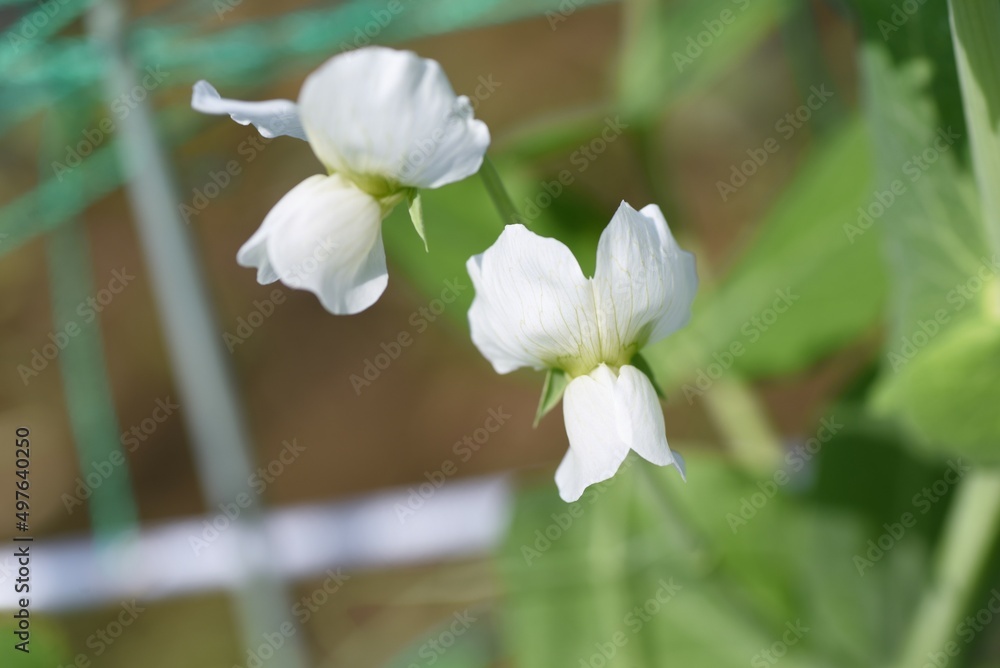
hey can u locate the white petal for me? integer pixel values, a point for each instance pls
(378, 112)
(606, 415)
(272, 118)
(253, 253)
(644, 281)
(325, 236)
(533, 305)
(596, 449)
(640, 418)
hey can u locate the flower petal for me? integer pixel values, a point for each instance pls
(253, 253)
(272, 118)
(325, 236)
(533, 305)
(645, 283)
(381, 113)
(606, 415)
(640, 418)
(596, 449)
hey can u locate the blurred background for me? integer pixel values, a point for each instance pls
(224, 474)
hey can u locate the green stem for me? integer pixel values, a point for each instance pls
(964, 549)
(498, 193)
(745, 426)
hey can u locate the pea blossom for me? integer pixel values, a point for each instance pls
(384, 124)
(535, 308)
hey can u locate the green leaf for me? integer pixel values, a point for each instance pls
(640, 363)
(927, 210)
(941, 366)
(947, 393)
(576, 574)
(975, 29)
(417, 216)
(662, 58)
(555, 384)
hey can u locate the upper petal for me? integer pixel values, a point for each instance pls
(606, 415)
(533, 306)
(272, 118)
(645, 283)
(325, 236)
(379, 112)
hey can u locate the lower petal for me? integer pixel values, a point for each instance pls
(606, 415)
(325, 236)
(596, 448)
(640, 419)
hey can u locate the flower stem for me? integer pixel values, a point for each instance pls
(498, 193)
(964, 549)
(744, 426)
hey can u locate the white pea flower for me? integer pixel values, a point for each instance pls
(384, 123)
(535, 308)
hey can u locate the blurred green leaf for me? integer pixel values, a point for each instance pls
(948, 392)
(581, 575)
(804, 288)
(672, 47)
(930, 220)
(974, 27)
(939, 375)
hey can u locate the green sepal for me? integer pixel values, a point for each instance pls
(640, 363)
(417, 215)
(555, 384)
